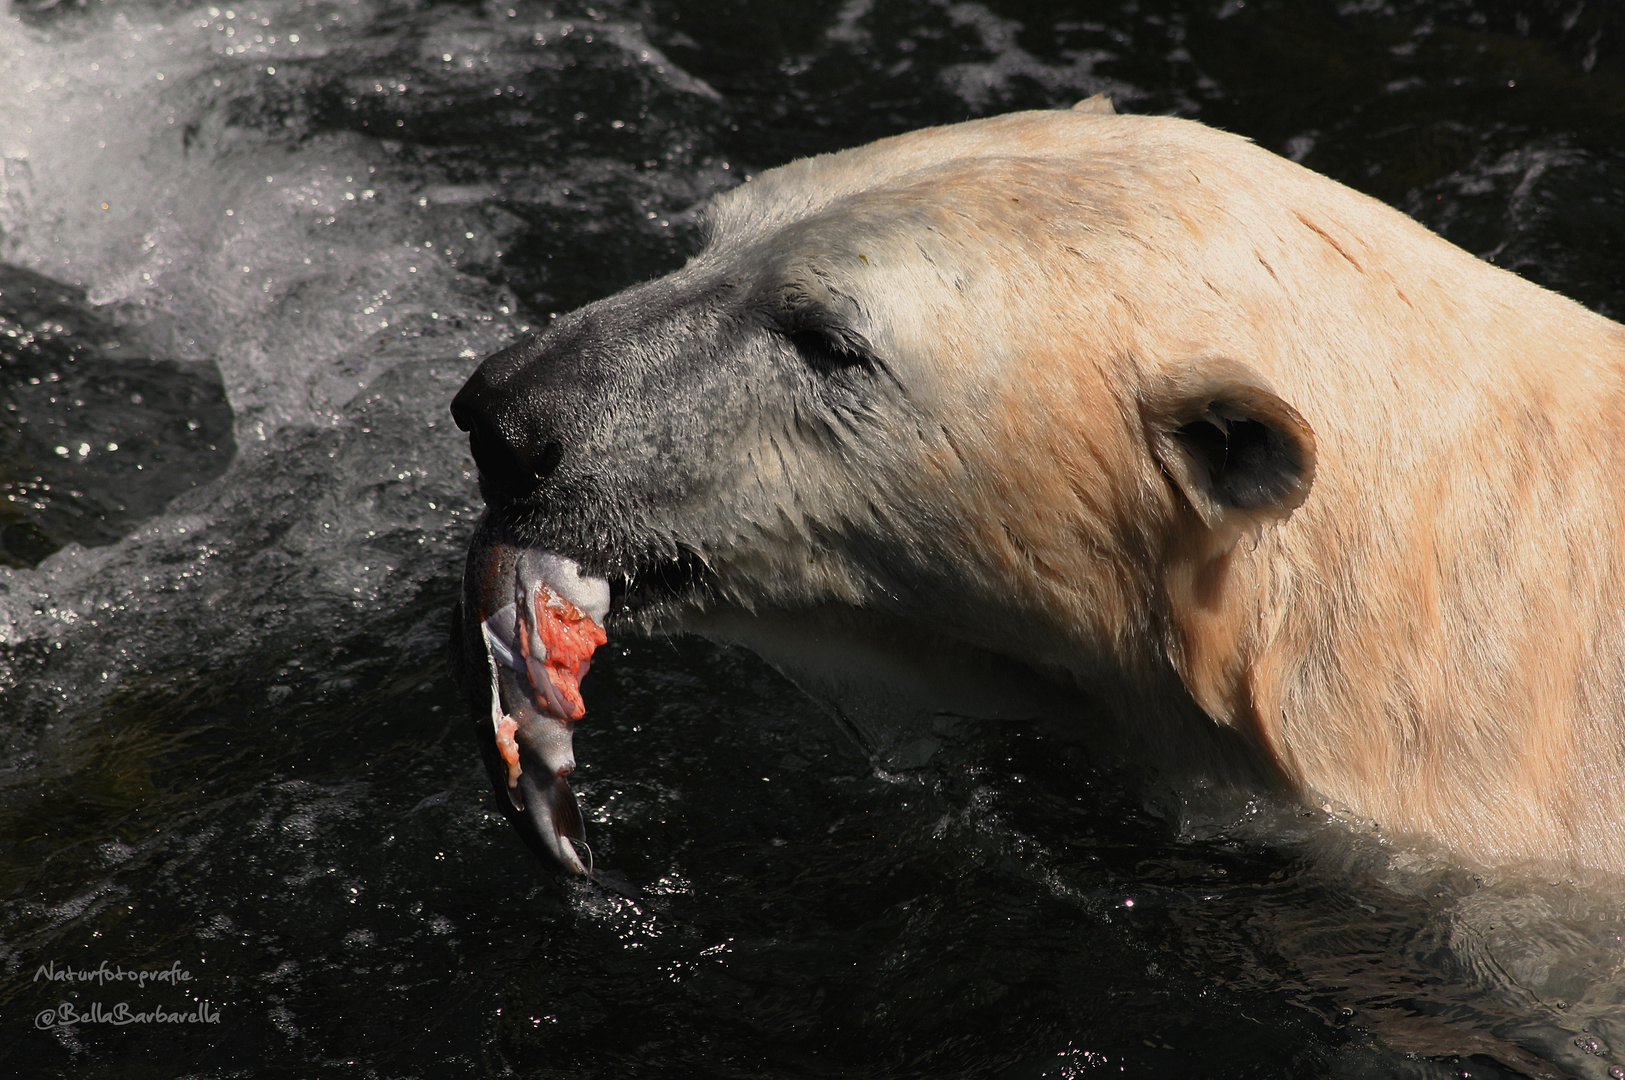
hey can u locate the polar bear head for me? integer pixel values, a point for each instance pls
(966, 380)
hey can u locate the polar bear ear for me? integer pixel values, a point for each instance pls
(1240, 455)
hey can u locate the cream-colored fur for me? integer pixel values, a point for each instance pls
(1426, 626)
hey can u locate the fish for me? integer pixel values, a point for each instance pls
(528, 624)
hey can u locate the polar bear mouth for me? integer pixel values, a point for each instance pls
(660, 585)
(536, 620)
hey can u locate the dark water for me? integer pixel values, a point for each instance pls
(246, 256)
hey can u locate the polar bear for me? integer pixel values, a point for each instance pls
(1250, 460)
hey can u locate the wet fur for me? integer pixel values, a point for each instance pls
(979, 380)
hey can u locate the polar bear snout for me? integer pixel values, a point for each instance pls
(515, 408)
(604, 403)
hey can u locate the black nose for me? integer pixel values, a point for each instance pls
(507, 429)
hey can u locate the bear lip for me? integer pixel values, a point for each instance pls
(658, 586)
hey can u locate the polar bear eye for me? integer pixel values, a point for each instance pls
(809, 316)
(830, 352)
